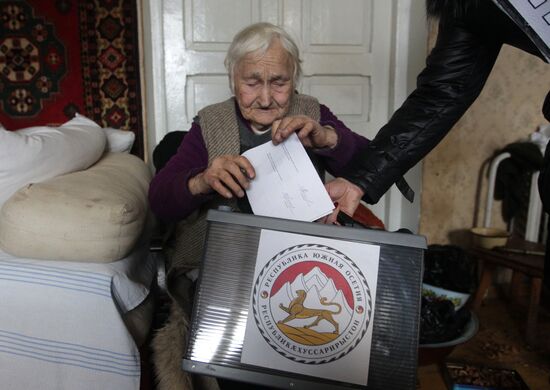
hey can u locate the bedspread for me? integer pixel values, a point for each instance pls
(61, 323)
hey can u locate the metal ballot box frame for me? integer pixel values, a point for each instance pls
(222, 299)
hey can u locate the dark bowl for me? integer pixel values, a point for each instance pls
(437, 352)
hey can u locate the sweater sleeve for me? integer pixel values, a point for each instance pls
(169, 195)
(349, 143)
(455, 73)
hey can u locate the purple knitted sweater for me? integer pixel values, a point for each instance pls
(169, 194)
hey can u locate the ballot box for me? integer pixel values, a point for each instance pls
(301, 305)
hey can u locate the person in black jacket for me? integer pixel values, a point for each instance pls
(471, 34)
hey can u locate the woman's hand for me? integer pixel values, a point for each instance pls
(227, 175)
(310, 132)
(345, 195)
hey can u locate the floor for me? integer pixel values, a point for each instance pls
(500, 342)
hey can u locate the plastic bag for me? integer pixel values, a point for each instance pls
(449, 267)
(439, 322)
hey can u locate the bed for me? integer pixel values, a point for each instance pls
(75, 270)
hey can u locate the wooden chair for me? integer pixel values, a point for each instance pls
(524, 256)
(524, 259)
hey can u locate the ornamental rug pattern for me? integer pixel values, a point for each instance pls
(58, 57)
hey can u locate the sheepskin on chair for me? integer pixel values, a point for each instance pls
(169, 345)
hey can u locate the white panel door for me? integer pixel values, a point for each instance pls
(346, 47)
(343, 66)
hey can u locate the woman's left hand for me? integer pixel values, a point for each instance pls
(309, 131)
(345, 195)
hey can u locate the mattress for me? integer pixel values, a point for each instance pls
(62, 323)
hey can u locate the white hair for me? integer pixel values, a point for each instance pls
(258, 37)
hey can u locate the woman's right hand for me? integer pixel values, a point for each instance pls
(227, 175)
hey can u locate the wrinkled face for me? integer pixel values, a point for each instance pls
(264, 85)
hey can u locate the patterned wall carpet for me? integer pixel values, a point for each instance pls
(58, 57)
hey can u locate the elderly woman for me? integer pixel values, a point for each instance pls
(208, 170)
(264, 68)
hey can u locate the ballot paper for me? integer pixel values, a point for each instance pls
(286, 183)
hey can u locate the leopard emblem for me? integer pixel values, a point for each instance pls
(297, 310)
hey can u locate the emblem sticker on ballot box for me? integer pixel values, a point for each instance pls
(311, 306)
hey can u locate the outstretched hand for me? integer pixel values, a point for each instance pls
(309, 131)
(345, 195)
(227, 175)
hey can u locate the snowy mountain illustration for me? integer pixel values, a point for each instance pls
(315, 277)
(316, 285)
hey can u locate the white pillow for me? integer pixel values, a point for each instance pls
(96, 214)
(119, 141)
(39, 153)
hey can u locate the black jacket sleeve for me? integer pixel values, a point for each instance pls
(455, 73)
(546, 107)
(544, 176)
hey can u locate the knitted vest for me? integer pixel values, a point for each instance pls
(220, 131)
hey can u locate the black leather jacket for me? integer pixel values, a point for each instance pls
(467, 46)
